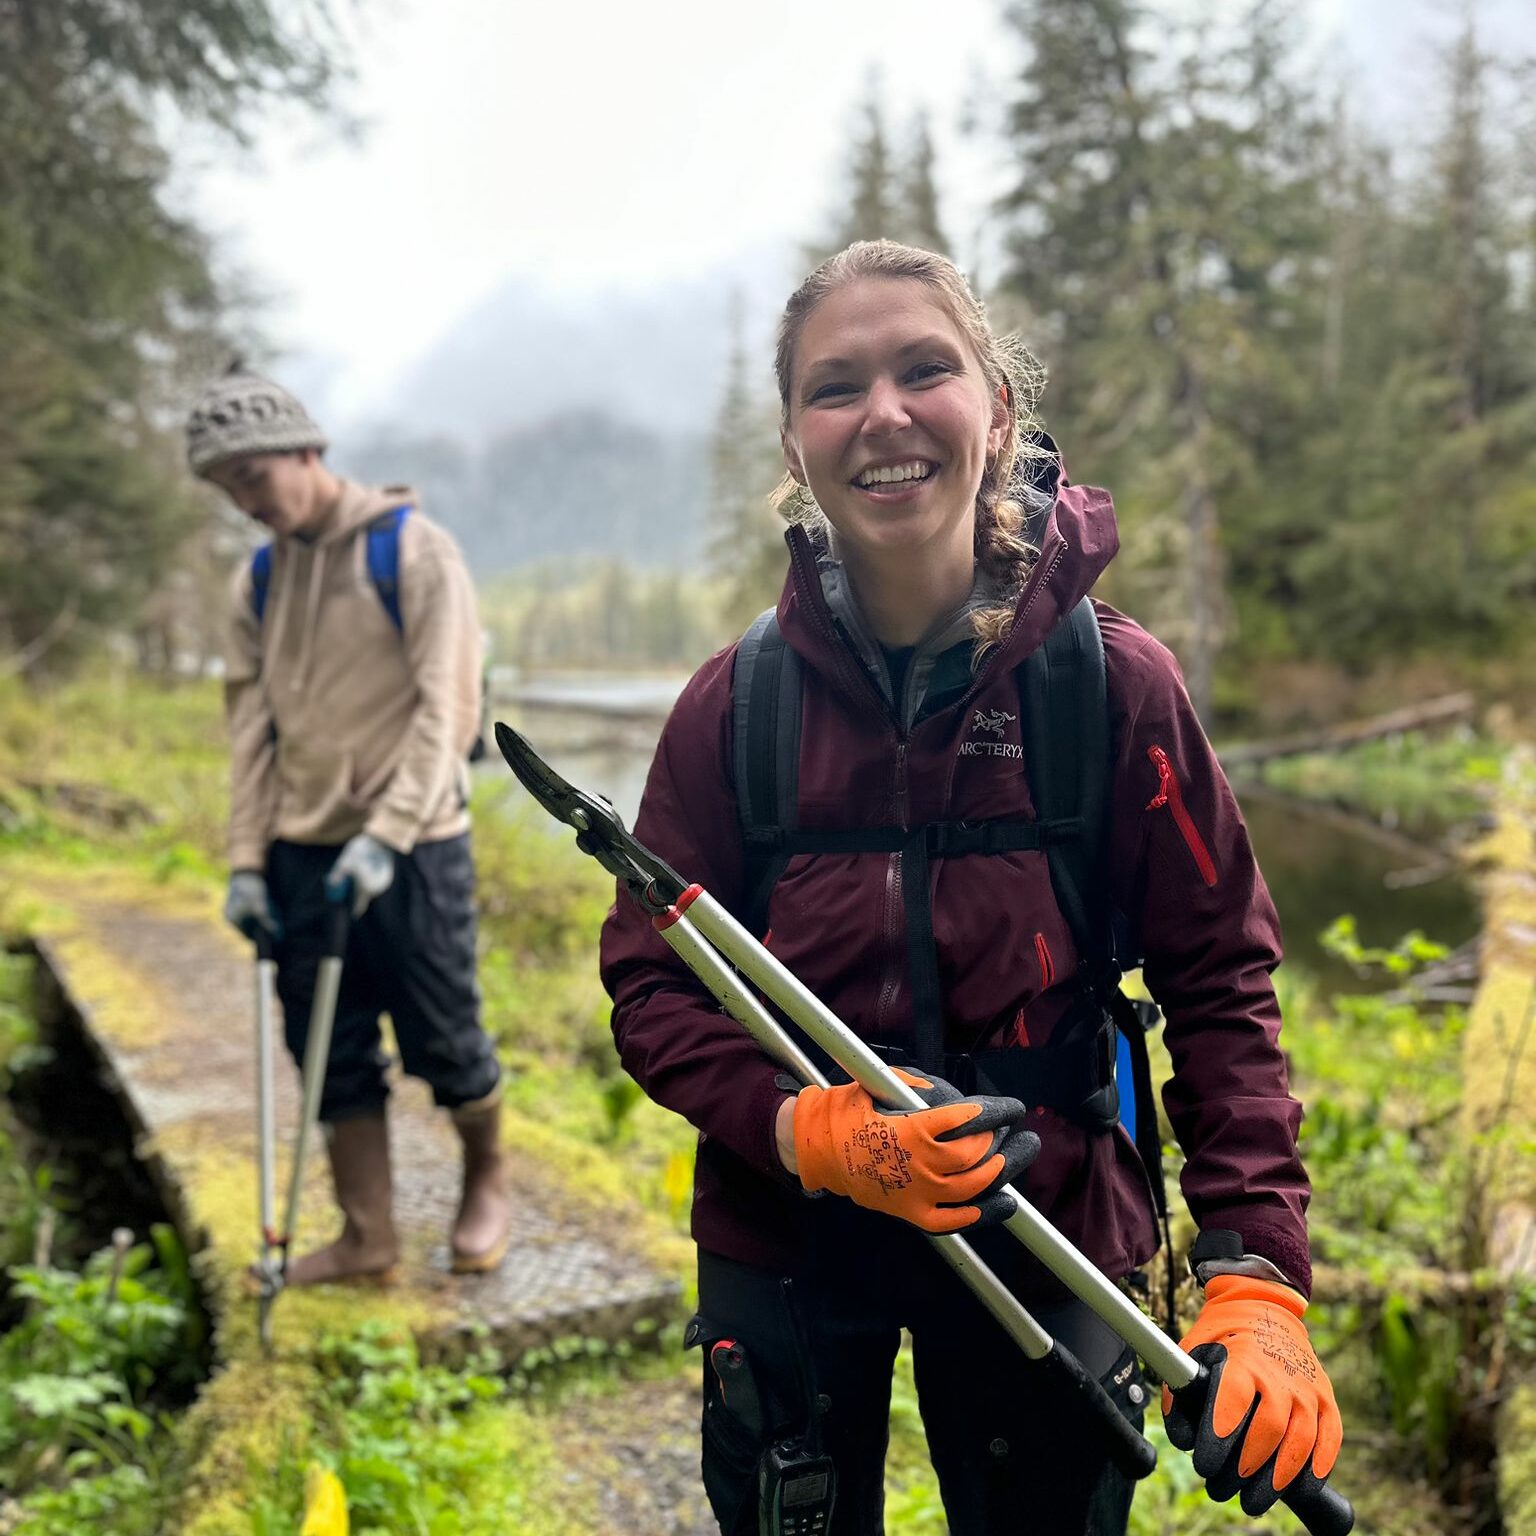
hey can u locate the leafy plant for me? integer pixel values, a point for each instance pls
(80, 1372)
(1412, 952)
(406, 1446)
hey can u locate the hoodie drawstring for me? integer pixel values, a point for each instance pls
(311, 618)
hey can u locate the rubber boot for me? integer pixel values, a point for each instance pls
(482, 1230)
(368, 1248)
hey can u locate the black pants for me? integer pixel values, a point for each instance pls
(1011, 1458)
(411, 955)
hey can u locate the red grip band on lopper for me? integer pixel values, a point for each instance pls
(664, 920)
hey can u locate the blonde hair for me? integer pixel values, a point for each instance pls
(1005, 498)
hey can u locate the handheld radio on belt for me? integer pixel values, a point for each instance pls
(796, 1481)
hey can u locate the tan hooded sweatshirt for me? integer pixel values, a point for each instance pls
(339, 722)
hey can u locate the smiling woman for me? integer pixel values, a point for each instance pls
(906, 425)
(885, 829)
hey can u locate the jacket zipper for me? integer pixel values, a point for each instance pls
(857, 679)
(1038, 580)
(1169, 794)
(893, 919)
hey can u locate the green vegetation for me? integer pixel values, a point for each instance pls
(417, 1447)
(423, 1446)
(598, 613)
(23, 1191)
(86, 1376)
(107, 768)
(467, 1448)
(1302, 362)
(1423, 784)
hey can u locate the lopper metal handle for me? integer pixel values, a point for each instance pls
(1135, 1456)
(317, 1050)
(266, 1121)
(1323, 1511)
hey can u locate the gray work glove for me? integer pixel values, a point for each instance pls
(248, 904)
(365, 869)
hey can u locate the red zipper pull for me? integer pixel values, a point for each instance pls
(1020, 1030)
(1047, 965)
(1164, 777)
(1169, 794)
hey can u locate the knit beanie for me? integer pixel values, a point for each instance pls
(242, 412)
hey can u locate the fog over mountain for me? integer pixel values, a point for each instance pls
(580, 484)
(543, 428)
(655, 358)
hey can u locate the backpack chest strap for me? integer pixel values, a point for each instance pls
(939, 839)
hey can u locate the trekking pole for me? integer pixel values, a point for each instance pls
(317, 1050)
(266, 1126)
(700, 931)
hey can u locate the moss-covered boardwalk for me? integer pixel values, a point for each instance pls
(166, 995)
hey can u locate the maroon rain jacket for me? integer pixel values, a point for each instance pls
(1181, 868)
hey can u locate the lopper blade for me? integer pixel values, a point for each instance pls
(600, 828)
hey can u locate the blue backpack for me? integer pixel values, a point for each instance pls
(383, 566)
(384, 572)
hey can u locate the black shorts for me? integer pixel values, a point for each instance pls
(1012, 1457)
(411, 955)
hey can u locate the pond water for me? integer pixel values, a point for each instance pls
(601, 733)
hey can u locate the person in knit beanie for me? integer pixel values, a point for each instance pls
(243, 413)
(352, 688)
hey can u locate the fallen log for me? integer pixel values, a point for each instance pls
(1451, 709)
(1427, 861)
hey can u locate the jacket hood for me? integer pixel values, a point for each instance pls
(819, 615)
(359, 504)
(305, 558)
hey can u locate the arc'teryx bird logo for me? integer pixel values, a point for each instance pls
(993, 720)
(995, 723)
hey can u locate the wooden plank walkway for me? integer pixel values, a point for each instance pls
(166, 1001)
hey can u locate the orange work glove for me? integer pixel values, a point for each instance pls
(1269, 1414)
(940, 1168)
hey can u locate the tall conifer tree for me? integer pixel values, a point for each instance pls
(1156, 188)
(867, 209)
(918, 203)
(107, 301)
(747, 551)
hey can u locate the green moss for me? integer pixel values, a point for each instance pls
(1499, 1109)
(1517, 1460)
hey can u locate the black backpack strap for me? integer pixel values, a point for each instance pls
(1065, 705)
(1064, 699)
(765, 694)
(943, 839)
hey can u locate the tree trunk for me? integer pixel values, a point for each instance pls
(1202, 568)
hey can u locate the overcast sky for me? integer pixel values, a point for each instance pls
(593, 145)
